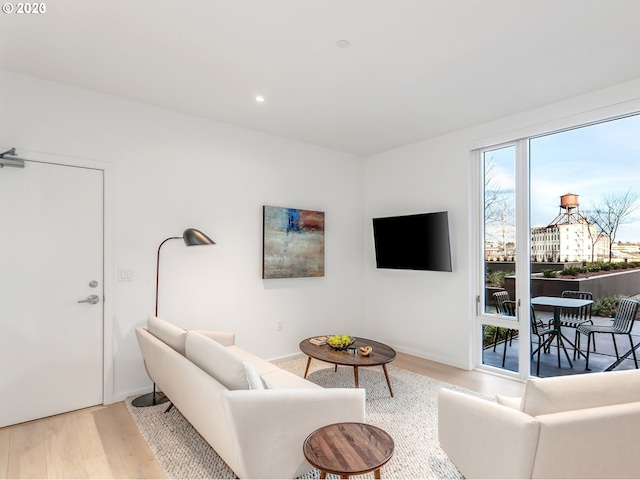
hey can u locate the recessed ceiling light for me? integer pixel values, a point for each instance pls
(260, 98)
(343, 43)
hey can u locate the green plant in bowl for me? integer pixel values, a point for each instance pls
(340, 342)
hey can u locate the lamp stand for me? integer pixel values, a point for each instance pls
(150, 399)
(191, 237)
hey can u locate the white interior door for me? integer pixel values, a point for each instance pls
(51, 256)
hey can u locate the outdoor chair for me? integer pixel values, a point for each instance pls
(622, 325)
(574, 317)
(500, 298)
(508, 309)
(540, 330)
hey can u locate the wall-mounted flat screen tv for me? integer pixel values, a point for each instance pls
(413, 242)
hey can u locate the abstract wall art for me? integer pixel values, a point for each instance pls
(293, 243)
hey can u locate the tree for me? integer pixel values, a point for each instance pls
(612, 211)
(595, 234)
(499, 208)
(505, 216)
(491, 192)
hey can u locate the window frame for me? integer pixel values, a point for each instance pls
(522, 297)
(520, 139)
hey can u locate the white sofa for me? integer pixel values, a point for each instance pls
(254, 414)
(579, 426)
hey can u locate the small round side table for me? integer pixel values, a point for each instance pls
(348, 449)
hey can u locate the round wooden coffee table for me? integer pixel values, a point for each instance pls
(381, 355)
(348, 449)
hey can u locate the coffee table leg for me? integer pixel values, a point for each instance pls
(323, 474)
(355, 376)
(376, 473)
(307, 369)
(386, 375)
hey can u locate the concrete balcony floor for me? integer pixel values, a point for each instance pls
(599, 360)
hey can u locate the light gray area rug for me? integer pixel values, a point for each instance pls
(410, 417)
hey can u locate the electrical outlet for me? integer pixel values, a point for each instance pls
(280, 325)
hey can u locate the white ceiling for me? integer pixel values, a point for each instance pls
(415, 68)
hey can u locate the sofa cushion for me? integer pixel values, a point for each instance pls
(261, 365)
(221, 363)
(168, 333)
(226, 339)
(576, 392)
(277, 379)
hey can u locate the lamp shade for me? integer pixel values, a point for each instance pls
(192, 236)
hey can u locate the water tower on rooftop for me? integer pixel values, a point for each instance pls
(569, 237)
(569, 201)
(569, 211)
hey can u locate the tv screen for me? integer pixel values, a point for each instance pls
(413, 242)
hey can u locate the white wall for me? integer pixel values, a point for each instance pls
(174, 171)
(420, 312)
(429, 314)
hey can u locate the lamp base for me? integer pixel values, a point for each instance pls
(149, 399)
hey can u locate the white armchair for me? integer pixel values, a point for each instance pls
(580, 426)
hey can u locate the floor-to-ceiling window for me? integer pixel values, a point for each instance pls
(499, 328)
(556, 209)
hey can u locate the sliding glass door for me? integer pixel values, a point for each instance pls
(553, 210)
(585, 235)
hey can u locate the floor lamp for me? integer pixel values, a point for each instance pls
(191, 237)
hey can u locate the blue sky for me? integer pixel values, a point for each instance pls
(591, 162)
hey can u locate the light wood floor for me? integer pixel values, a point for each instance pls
(97, 442)
(103, 441)
(472, 380)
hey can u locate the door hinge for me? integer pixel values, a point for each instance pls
(10, 162)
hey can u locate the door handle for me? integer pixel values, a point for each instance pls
(92, 299)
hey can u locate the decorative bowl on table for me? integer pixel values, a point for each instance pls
(340, 342)
(366, 351)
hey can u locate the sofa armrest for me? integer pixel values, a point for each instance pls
(226, 339)
(484, 439)
(511, 402)
(269, 426)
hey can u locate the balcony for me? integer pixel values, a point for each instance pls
(602, 359)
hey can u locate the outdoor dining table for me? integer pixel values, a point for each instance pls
(558, 303)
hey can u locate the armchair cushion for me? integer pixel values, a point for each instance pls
(221, 363)
(561, 394)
